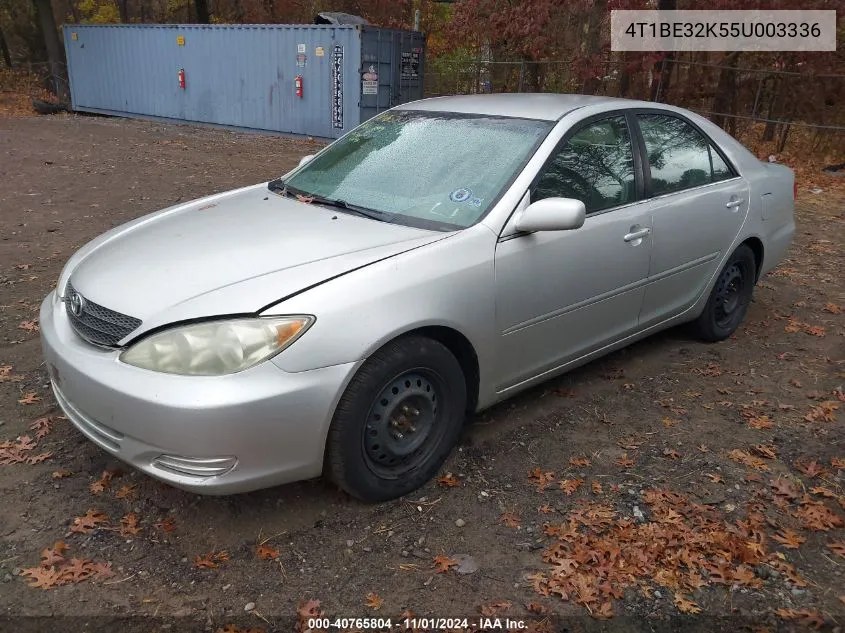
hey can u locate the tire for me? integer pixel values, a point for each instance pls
(729, 299)
(397, 421)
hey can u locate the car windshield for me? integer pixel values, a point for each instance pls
(432, 170)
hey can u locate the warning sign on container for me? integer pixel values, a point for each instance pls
(369, 88)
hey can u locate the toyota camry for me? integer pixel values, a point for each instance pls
(346, 318)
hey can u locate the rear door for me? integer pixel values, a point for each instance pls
(698, 204)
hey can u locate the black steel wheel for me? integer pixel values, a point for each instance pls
(397, 421)
(729, 299)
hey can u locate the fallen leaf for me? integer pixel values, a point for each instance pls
(760, 422)
(449, 480)
(569, 486)
(832, 308)
(541, 478)
(308, 609)
(766, 450)
(789, 539)
(671, 453)
(29, 398)
(837, 547)
(686, 605)
(129, 525)
(624, 461)
(53, 555)
(545, 509)
(492, 609)
(41, 427)
(806, 617)
(42, 577)
(810, 469)
(77, 570)
(210, 560)
(510, 519)
(596, 488)
(126, 491)
(716, 478)
(579, 462)
(784, 487)
(825, 412)
(838, 462)
(746, 458)
(443, 563)
(88, 522)
(29, 326)
(817, 516)
(165, 525)
(374, 601)
(538, 609)
(265, 552)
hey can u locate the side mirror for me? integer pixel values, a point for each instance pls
(552, 214)
(305, 159)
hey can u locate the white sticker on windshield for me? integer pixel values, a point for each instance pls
(475, 202)
(460, 195)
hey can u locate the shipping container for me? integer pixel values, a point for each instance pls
(315, 80)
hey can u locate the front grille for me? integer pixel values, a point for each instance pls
(97, 324)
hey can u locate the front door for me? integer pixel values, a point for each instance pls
(562, 294)
(698, 204)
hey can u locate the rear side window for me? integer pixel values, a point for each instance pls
(678, 155)
(721, 171)
(596, 166)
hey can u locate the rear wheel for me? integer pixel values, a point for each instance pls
(729, 299)
(397, 421)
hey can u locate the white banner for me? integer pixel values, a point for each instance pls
(753, 31)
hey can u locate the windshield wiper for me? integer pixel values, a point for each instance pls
(280, 187)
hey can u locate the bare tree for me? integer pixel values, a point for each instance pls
(4, 50)
(55, 52)
(123, 8)
(201, 7)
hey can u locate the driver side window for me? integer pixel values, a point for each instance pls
(596, 166)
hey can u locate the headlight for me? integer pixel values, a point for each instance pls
(215, 348)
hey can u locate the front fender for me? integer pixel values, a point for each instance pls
(450, 283)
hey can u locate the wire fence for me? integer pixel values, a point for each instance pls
(735, 98)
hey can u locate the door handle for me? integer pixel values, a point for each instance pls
(733, 204)
(636, 235)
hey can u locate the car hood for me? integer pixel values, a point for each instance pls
(232, 253)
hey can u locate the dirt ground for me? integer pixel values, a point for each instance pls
(717, 469)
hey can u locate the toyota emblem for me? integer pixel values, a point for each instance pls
(77, 304)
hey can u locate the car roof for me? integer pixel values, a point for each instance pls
(544, 106)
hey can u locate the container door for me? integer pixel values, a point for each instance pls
(391, 69)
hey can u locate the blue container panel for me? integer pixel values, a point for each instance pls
(240, 76)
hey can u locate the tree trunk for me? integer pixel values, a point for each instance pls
(74, 12)
(725, 99)
(123, 8)
(774, 107)
(55, 52)
(591, 83)
(201, 7)
(663, 68)
(4, 50)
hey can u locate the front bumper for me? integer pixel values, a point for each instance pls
(211, 435)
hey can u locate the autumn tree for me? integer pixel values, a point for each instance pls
(4, 50)
(55, 52)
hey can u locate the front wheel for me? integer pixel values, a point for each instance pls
(397, 421)
(729, 299)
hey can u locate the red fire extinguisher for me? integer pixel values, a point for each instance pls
(298, 83)
(182, 78)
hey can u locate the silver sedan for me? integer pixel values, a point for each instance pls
(346, 318)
